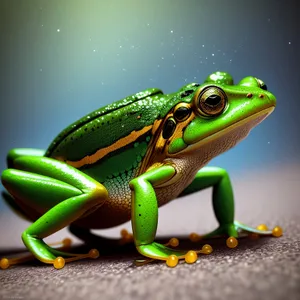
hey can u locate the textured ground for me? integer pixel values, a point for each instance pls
(267, 268)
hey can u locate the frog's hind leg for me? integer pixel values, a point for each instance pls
(223, 204)
(59, 192)
(15, 153)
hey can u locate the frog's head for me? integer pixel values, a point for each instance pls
(216, 115)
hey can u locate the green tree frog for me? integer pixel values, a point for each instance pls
(123, 161)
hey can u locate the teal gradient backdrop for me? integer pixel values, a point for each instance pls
(62, 59)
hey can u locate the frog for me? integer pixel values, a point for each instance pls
(125, 160)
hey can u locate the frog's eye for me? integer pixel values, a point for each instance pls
(211, 101)
(262, 85)
(181, 112)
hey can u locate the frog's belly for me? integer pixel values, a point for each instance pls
(117, 209)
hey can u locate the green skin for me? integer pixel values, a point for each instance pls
(51, 191)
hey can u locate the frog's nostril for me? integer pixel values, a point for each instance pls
(261, 96)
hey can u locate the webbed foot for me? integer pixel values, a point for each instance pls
(260, 230)
(156, 251)
(57, 259)
(236, 230)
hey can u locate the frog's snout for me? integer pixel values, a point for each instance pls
(272, 99)
(268, 98)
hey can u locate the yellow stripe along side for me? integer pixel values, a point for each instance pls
(91, 159)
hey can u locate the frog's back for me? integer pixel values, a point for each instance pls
(100, 117)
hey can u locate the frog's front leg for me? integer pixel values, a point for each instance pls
(144, 217)
(57, 192)
(223, 204)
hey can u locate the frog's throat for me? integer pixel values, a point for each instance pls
(240, 128)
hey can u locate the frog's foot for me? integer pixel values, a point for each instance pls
(64, 244)
(260, 230)
(235, 230)
(58, 261)
(156, 251)
(7, 262)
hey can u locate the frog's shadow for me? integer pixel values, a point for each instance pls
(112, 249)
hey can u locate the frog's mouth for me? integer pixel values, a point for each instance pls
(229, 136)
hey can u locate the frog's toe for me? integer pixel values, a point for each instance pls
(65, 243)
(232, 242)
(190, 257)
(5, 263)
(277, 231)
(155, 251)
(173, 242)
(61, 257)
(195, 237)
(126, 237)
(55, 256)
(260, 230)
(59, 261)
(238, 229)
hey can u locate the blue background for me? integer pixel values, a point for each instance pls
(62, 59)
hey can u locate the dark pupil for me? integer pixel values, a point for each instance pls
(186, 93)
(181, 113)
(169, 128)
(213, 100)
(264, 87)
